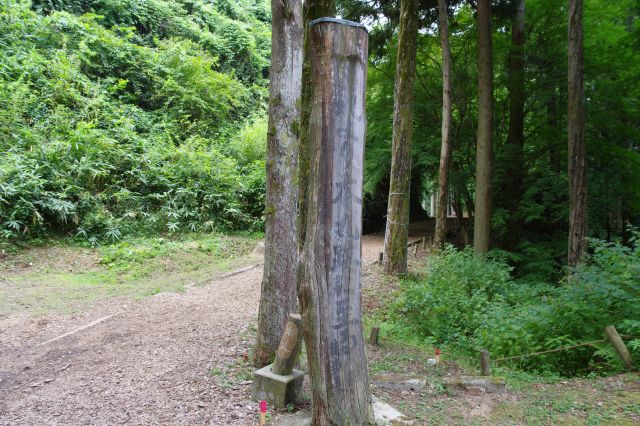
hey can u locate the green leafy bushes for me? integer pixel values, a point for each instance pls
(107, 130)
(474, 303)
(458, 285)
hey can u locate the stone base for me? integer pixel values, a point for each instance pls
(394, 381)
(277, 390)
(489, 384)
(385, 415)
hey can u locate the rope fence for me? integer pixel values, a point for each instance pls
(610, 331)
(564, 348)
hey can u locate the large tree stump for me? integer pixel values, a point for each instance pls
(330, 268)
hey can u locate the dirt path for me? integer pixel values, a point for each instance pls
(149, 363)
(157, 361)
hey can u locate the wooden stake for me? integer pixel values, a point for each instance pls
(287, 352)
(373, 337)
(424, 243)
(619, 346)
(485, 363)
(380, 257)
(415, 249)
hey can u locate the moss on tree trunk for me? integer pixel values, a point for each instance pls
(278, 296)
(395, 239)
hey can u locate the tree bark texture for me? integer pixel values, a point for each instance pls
(330, 271)
(512, 190)
(312, 9)
(484, 147)
(577, 149)
(278, 296)
(445, 150)
(395, 239)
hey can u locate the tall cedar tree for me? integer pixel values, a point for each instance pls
(312, 9)
(395, 239)
(514, 174)
(484, 148)
(445, 150)
(577, 148)
(278, 297)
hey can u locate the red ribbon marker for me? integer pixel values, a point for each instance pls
(438, 353)
(263, 413)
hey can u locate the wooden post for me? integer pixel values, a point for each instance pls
(619, 346)
(424, 243)
(331, 263)
(290, 342)
(415, 249)
(485, 363)
(373, 337)
(380, 257)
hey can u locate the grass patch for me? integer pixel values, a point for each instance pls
(63, 277)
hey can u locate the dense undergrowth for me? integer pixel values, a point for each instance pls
(470, 303)
(119, 116)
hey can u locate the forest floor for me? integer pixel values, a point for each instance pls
(157, 331)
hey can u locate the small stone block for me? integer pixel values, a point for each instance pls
(489, 384)
(475, 390)
(399, 381)
(387, 415)
(277, 390)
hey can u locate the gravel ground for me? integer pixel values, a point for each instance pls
(148, 363)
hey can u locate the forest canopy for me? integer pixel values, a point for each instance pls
(612, 62)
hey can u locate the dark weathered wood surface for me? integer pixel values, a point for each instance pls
(330, 290)
(485, 363)
(278, 296)
(373, 337)
(311, 9)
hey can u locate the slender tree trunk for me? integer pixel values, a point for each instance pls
(312, 9)
(484, 149)
(330, 270)
(395, 239)
(445, 150)
(278, 297)
(515, 140)
(577, 148)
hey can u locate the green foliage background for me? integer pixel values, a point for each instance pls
(120, 116)
(474, 303)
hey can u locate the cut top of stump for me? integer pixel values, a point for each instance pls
(337, 21)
